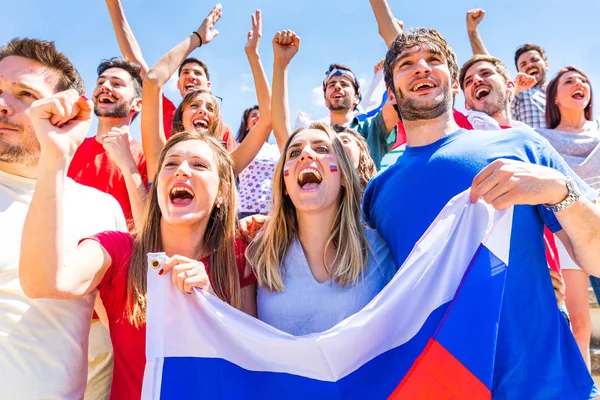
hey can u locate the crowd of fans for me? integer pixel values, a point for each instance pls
(300, 234)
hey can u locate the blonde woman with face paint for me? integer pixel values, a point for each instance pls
(315, 262)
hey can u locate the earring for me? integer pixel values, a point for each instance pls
(218, 205)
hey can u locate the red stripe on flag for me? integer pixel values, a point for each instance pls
(437, 374)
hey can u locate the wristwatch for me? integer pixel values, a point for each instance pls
(571, 198)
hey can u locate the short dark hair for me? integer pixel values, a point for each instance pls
(45, 53)
(499, 65)
(343, 68)
(131, 68)
(552, 110)
(527, 47)
(417, 37)
(192, 60)
(243, 129)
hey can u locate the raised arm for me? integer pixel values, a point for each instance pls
(389, 26)
(127, 43)
(153, 135)
(44, 270)
(258, 135)
(285, 46)
(474, 17)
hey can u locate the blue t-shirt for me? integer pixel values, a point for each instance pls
(307, 306)
(537, 357)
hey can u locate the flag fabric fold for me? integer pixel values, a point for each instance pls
(431, 333)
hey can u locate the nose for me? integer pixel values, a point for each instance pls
(422, 67)
(477, 78)
(5, 108)
(183, 170)
(307, 154)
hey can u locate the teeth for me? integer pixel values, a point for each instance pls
(422, 84)
(480, 91)
(181, 189)
(314, 171)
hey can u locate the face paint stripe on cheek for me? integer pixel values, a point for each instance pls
(333, 168)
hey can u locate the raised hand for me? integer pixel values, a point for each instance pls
(116, 144)
(285, 46)
(206, 31)
(187, 273)
(378, 67)
(61, 122)
(524, 82)
(255, 34)
(474, 17)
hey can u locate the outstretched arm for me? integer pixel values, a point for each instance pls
(258, 135)
(285, 46)
(60, 122)
(153, 135)
(389, 27)
(474, 17)
(127, 43)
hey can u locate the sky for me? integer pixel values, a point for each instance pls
(331, 31)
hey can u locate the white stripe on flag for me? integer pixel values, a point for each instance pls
(209, 328)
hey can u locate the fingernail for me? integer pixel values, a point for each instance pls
(61, 126)
(83, 97)
(160, 272)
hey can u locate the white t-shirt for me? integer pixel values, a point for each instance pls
(44, 343)
(256, 181)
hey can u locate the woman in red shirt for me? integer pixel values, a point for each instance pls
(190, 215)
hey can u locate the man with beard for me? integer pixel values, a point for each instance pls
(112, 161)
(488, 88)
(536, 355)
(43, 343)
(529, 102)
(342, 95)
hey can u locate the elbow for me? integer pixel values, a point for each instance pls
(152, 80)
(33, 290)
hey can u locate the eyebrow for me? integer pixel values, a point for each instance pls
(109, 77)
(26, 87)
(408, 53)
(297, 144)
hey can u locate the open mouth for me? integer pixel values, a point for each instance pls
(481, 92)
(422, 86)
(106, 99)
(200, 123)
(578, 94)
(532, 71)
(337, 96)
(181, 195)
(191, 86)
(309, 179)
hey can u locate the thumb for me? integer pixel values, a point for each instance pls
(215, 33)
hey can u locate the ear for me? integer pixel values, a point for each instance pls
(136, 105)
(467, 106)
(455, 88)
(208, 84)
(391, 97)
(510, 87)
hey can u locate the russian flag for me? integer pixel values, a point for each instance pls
(430, 334)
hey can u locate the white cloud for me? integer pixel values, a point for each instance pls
(317, 97)
(245, 85)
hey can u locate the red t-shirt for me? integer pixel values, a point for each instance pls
(91, 166)
(129, 343)
(460, 118)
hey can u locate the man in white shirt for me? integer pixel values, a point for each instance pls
(43, 343)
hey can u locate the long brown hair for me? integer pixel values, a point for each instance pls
(219, 237)
(266, 253)
(216, 127)
(552, 110)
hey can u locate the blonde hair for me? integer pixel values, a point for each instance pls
(216, 126)
(219, 237)
(267, 252)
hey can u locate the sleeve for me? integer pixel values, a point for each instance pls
(246, 275)
(229, 138)
(119, 246)
(551, 158)
(379, 140)
(168, 109)
(366, 203)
